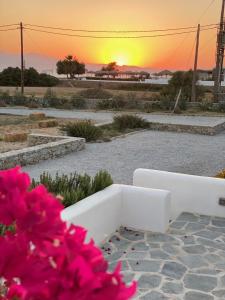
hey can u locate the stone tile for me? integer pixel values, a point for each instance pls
(207, 271)
(177, 224)
(218, 222)
(188, 240)
(170, 249)
(141, 246)
(137, 255)
(193, 226)
(115, 256)
(149, 281)
(154, 296)
(213, 258)
(208, 234)
(193, 261)
(197, 296)
(195, 249)
(204, 219)
(160, 238)
(200, 282)
(158, 254)
(172, 288)
(145, 265)
(120, 243)
(128, 277)
(187, 217)
(219, 293)
(212, 244)
(124, 265)
(131, 234)
(173, 270)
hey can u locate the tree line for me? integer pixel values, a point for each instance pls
(12, 77)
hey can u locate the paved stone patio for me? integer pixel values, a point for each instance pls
(186, 263)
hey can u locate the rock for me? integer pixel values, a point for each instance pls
(200, 282)
(149, 281)
(197, 296)
(174, 270)
(172, 288)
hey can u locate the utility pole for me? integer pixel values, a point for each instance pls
(22, 61)
(194, 80)
(219, 56)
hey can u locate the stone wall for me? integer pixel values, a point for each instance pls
(35, 154)
(35, 139)
(205, 130)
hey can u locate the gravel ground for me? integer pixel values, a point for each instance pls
(177, 152)
(107, 116)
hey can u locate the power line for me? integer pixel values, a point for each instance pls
(9, 29)
(206, 10)
(8, 25)
(117, 31)
(115, 37)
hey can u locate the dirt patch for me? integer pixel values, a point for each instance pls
(16, 124)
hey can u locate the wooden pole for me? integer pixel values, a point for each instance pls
(219, 56)
(194, 80)
(22, 61)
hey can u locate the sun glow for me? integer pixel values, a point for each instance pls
(123, 52)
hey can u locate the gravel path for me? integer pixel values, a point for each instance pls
(178, 152)
(107, 116)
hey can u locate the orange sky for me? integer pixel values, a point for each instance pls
(165, 52)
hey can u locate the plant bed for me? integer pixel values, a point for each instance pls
(74, 187)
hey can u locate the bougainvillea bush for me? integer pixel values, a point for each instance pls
(43, 258)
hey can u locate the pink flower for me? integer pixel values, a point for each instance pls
(43, 258)
(13, 187)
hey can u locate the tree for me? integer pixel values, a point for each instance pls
(12, 77)
(112, 66)
(182, 80)
(70, 67)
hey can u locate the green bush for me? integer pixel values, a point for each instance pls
(127, 121)
(74, 187)
(118, 102)
(95, 93)
(104, 104)
(78, 102)
(84, 129)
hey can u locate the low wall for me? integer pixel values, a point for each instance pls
(37, 153)
(35, 139)
(120, 205)
(205, 130)
(189, 193)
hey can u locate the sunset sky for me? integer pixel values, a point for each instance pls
(172, 52)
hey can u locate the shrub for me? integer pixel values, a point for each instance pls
(18, 98)
(78, 102)
(104, 104)
(34, 237)
(221, 174)
(84, 129)
(95, 93)
(132, 101)
(5, 96)
(74, 187)
(127, 121)
(118, 102)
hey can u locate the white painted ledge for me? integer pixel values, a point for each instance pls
(189, 193)
(121, 205)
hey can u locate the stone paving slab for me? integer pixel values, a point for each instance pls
(188, 262)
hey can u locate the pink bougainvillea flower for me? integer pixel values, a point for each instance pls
(13, 187)
(43, 258)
